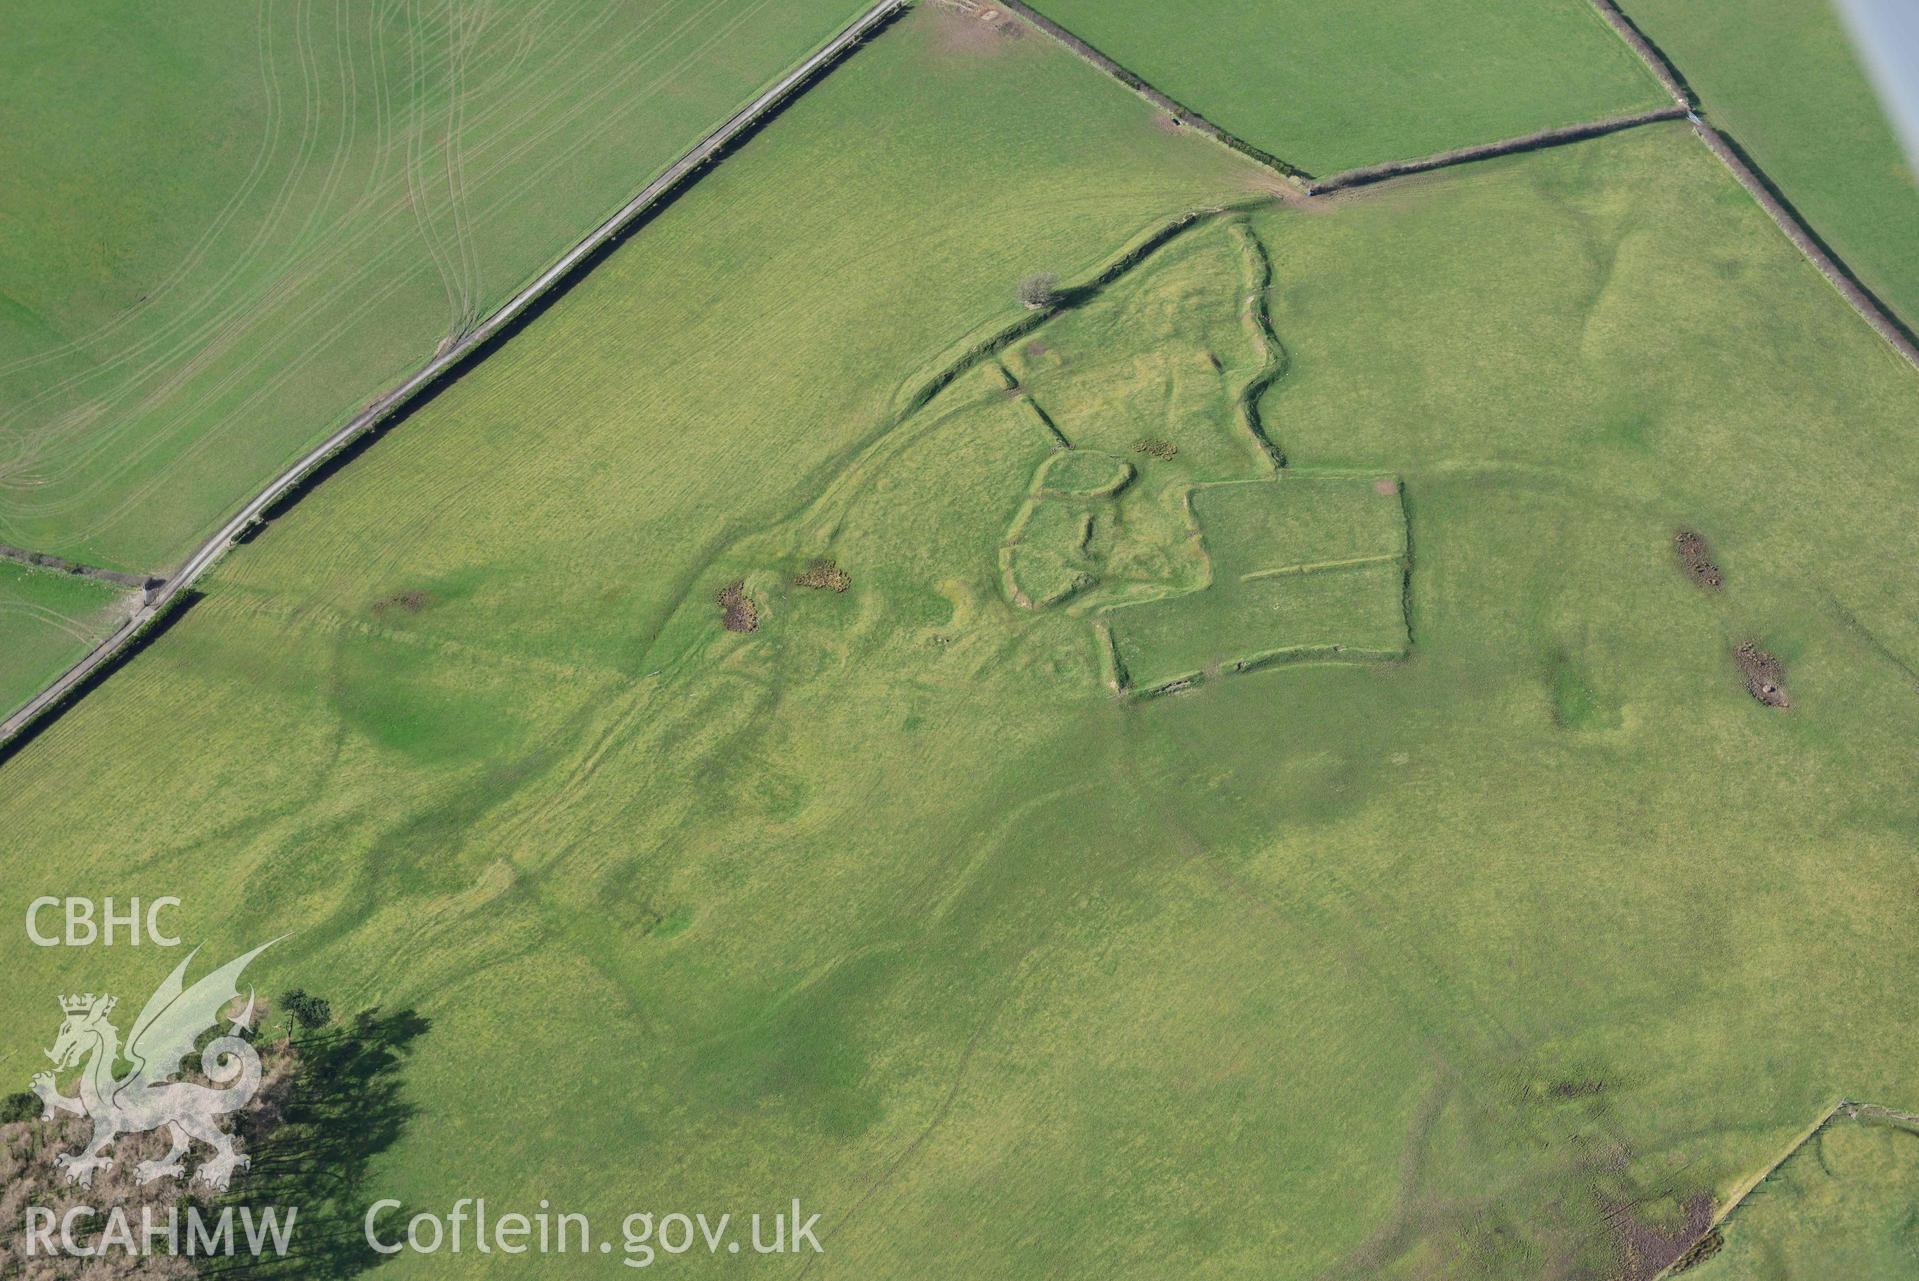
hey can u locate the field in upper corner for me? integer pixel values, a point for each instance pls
(1782, 77)
(1491, 960)
(231, 226)
(48, 621)
(1331, 87)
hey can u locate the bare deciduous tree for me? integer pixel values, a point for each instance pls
(1039, 290)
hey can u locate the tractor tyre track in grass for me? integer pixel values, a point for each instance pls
(448, 362)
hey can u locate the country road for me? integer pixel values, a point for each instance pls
(208, 553)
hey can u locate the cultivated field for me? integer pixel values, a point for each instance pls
(665, 714)
(1336, 87)
(229, 228)
(47, 621)
(1783, 79)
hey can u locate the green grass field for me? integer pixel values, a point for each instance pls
(1302, 568)
(1783, 79)
(230, 228)
(1842, 1206)
(48, 621)
(1384, 969)
(1331, 88)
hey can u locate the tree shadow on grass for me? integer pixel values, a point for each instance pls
(345, 1107)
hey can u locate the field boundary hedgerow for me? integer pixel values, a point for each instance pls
(61, 565)
(1747, 173)
(1369, 174)
(1848, 1109)
(1180, 113)
(1686, 104)
(1309, 183)
(447, 363)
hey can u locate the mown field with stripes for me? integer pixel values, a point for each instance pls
(47, 620)
(233, 226)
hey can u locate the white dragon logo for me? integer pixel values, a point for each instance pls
(145, 1099)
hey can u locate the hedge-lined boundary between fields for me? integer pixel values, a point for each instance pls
(972, 351)
(1369, 174)
(1847, 1109)
(1837, 274)
(1650, 54)
(1762, 189)
(1181, 114)
(1306, 182)
(60, 564)
(1686, 104)
(126, 643)
(447, 364)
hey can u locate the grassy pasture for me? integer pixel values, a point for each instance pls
(1331, 87)
(1782, 77)
(228, 228)
(1205, 554)
(48, 620)
(1301, 567)
(888, 905)
(1842, 1206)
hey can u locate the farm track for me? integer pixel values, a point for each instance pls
(176, 589)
